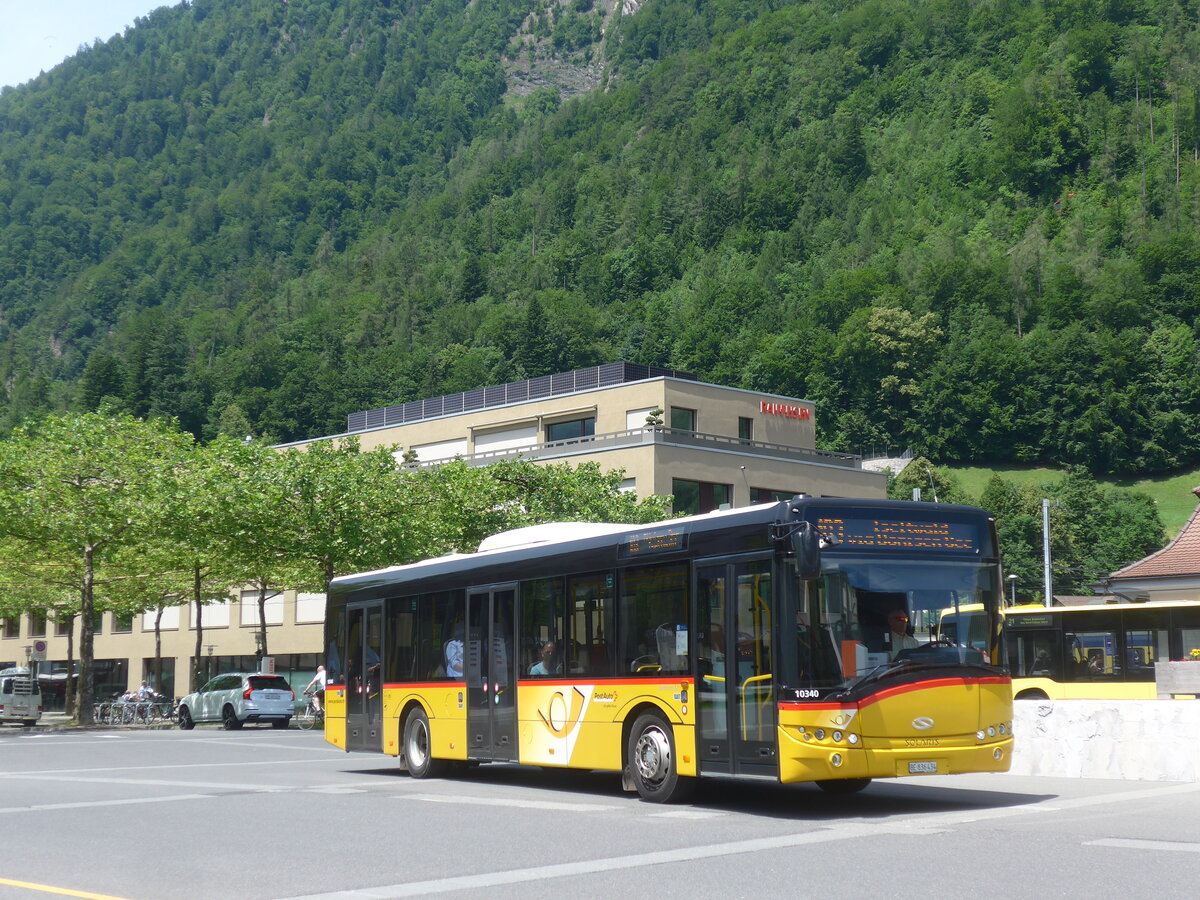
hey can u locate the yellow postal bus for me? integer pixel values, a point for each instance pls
(792, 640)
(1097, 652)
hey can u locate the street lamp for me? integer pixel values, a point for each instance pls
(1012, 587)
(1046, 504)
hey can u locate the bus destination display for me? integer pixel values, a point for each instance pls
(932, 536)
(659, 540)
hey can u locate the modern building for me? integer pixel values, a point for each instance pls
(708, 445)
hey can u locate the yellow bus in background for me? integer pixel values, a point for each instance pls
(1096, 652)
(794, 640)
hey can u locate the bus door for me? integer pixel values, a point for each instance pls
(491, 674)
(364, 683)
(735, 687)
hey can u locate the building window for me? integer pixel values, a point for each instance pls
(12, 627)
(745, 428)
(694, 497)
(576, 428)
(122, 624)
(766, 495)
(62, 627)
(37, 624)
(683, 419)
(97, 622)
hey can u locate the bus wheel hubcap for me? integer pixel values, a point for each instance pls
(653, 755)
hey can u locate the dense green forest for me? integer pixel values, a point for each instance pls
(965, 226)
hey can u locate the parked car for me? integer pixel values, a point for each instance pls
(235, 699)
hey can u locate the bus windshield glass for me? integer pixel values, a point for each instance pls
(867, 614)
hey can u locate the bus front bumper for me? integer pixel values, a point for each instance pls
(820, 760)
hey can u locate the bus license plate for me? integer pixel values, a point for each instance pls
(922, 768)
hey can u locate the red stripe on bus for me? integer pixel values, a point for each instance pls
(896, 691)
(422, 685)
(932, 683)
(553, 682)
(605, 682)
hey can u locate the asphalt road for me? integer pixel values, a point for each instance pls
(279, 814)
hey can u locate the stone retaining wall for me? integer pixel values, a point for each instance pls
(1133, 740)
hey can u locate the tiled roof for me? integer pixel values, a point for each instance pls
(1180, 557)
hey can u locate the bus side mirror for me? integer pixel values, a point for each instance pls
(806, 546)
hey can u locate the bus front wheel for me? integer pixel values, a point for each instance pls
(418, 756)
(651, 761)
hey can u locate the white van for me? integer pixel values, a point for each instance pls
(20, 697)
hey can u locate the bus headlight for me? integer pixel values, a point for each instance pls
(991, 731)
(836, 760)
(853, 738)
(820, 733)
(980, 735)
(1003, 728)
(837, 736)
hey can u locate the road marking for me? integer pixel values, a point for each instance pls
(1130, 844)
(334, 789)
(89, 804)
(688, 814)
(162, 782)
(516, 804)
(925, 826)
(202, 765)
(590, 866)
(50, 889)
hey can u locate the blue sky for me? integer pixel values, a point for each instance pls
(36, 35)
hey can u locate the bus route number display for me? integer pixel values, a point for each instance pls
(899, 534)
(647, 543)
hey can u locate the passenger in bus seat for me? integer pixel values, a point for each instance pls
(453, 651)
(547, 665)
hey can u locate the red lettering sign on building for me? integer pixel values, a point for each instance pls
(784, 409)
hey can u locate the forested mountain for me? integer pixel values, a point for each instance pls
(968, 226)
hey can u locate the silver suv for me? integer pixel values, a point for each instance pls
(233, 700)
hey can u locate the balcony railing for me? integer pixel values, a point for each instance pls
(675, 437)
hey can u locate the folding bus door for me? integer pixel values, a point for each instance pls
(364, 676)
(735, 687)
(491, 674)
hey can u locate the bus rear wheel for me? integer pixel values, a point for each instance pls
(651, 762)
(418, 755)
(843, 785)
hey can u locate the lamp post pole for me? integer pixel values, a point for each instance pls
(1046, 504)
(1012, 587)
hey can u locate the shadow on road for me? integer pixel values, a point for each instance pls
(798, 802)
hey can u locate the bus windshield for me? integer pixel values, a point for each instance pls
(868, 614)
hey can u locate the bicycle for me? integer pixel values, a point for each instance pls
(310, 715)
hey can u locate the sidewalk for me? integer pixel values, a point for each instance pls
(60, 721)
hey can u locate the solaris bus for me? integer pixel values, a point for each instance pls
(741, 643)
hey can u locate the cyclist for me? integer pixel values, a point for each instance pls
(317, 688)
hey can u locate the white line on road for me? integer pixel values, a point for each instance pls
(200, 765)
(509, 802)
(1130, 844)
(917, 826)
(162, 782)
(87, 804)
